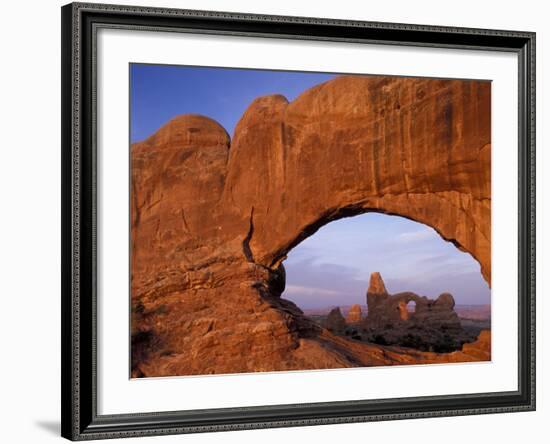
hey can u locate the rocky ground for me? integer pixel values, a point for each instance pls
(432, 325)
(472, 326)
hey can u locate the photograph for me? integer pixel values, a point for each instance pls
(297, 221)
(274, 222)
(286, 217)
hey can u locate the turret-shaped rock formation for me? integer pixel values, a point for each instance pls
(433, 323)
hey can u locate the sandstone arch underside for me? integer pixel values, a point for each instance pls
(213, 218)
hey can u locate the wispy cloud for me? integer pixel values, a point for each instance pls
(333, 266)
(416, 236)
(309, 291)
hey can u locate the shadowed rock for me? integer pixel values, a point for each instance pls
(335, 322)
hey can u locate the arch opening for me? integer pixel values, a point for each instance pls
(430, 282)
(355, 210)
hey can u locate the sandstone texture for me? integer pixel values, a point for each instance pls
(212, 219)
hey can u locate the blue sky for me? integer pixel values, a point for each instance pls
(160, 92)
(333, 266)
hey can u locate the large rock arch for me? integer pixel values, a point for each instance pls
(213, 219)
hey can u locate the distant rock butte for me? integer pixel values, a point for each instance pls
(335, 321)
(432, 324)
(354, 314)
(385, 309)
(212, 219)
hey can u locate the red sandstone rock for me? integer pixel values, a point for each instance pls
(419, 148)
(480, 349)
(376, 294)
(213, 220)
(376, 285)
(354, 314)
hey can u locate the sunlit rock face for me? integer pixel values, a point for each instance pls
(354, 315)
(212, 219)
(432, 325)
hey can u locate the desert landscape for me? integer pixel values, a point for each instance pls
(432, 325)
(214, 217)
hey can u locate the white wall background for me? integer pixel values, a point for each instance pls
(30, 220)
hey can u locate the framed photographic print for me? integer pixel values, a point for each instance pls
(281, 221)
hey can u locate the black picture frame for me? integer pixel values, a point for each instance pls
(80, 420)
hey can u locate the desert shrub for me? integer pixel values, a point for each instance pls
(412, 341)
(379, 339)
(445, 345)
